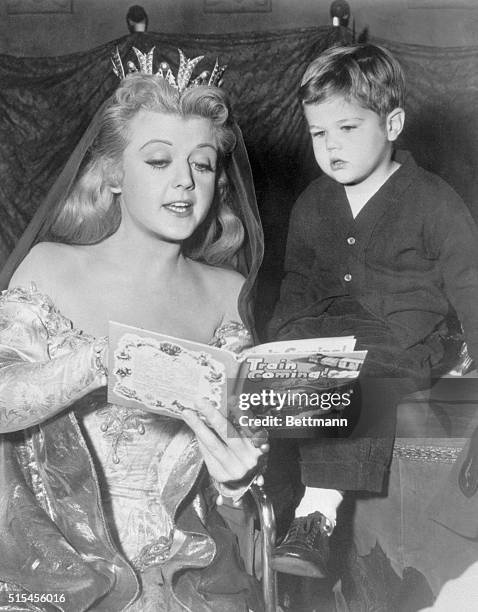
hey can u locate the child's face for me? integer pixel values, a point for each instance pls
(351, 144)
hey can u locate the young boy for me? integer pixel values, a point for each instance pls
(377, 248)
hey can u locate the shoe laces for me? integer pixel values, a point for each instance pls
(313, 528)
(306, 529)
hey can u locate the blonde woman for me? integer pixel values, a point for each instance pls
(113, 508)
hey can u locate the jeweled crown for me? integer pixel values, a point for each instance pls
(184, 77)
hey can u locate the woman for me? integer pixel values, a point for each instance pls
(108, 504)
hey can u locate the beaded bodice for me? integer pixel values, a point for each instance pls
(139, 456)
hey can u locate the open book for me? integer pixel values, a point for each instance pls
(166, 375)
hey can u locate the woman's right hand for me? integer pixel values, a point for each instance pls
(231, 457)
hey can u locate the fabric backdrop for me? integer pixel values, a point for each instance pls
(47, 103)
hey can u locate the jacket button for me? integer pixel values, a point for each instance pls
(351, 240)
(347, 278)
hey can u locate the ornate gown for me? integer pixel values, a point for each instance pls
(101, 503)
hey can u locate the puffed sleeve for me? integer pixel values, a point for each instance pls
(45, 365)
(232, 336)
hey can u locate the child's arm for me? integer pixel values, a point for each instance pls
(455, 235)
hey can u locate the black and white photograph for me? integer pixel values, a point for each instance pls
(239, 306)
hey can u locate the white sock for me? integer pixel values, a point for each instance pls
(323, 500)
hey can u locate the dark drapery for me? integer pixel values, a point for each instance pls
(47, 103)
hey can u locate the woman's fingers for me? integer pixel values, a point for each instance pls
(222, 470)
(244, 420)
(230, 429)
(214, 436)
(204, 432)
(227, 458)
(222, 426)
(214, 418)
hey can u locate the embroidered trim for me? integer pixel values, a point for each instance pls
(232, 335)
(61, 332)
(154, 554)
(119, 425)
(428, 454)
(99, 348)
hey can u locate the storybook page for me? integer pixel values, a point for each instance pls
(166, 375)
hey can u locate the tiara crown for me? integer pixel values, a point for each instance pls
(186, 66)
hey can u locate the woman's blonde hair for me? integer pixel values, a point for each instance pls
(90, 211)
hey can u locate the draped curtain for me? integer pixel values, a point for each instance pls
(47, 103)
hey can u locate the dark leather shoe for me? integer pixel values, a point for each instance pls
(305, 549)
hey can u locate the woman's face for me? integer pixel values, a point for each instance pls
(169, 174)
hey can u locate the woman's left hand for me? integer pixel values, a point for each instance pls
(229, 456)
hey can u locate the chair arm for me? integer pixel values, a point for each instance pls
(268, 537)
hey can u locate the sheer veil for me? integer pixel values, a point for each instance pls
(247, 261)
(38, 226)
(85, 564)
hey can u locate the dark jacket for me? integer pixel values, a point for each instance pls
(410, 252)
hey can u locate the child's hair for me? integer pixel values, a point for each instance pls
(366, 73)
(91, 212)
